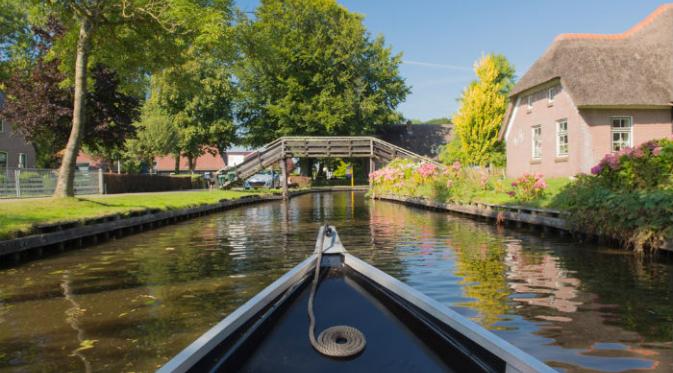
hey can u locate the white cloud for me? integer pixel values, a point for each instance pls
(436, 65)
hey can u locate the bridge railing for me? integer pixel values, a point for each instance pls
(321, 147)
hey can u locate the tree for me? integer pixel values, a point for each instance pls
(41, 109)
(309, 67)
(156, 135)
(483, 105)
(131, 37)
(199, 96)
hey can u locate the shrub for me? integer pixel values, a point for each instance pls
(629, 197)
(528, 187)
(648, 166)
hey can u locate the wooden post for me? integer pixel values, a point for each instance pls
(283, 177)
(372, 168)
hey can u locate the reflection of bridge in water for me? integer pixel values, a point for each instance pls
(278, 151)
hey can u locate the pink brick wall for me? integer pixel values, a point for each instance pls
(589, 137)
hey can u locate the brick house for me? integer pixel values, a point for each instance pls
(589, 95)
(15, 151)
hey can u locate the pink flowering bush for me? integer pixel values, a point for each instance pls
(528, 187)
(646, 166)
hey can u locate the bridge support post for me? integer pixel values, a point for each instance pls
(283, 177)
(372, 168)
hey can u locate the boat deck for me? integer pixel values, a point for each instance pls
(398, 340)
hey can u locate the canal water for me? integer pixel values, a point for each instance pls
(131, 304)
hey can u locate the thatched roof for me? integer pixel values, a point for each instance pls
(632, 68)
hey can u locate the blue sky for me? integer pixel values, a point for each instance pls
(442, 39)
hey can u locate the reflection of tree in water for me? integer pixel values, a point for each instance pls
(480, 261)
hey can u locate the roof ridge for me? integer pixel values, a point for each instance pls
(637, 27)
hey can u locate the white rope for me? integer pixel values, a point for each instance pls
(336, 341)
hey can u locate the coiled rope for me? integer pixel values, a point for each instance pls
(336, 341)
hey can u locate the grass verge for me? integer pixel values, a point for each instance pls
(19, 217)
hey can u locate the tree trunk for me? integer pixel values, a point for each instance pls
(191, 163)
(177, 164)
(66, 174)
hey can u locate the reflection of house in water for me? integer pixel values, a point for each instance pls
(540, 281)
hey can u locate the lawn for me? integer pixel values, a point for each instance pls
(20, 216)
(554, 186)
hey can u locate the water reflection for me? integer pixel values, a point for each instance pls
(130, 304)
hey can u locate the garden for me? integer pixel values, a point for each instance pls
(628, 196)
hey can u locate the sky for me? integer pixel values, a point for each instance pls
(441, 39)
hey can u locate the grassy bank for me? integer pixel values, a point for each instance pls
(17, 217)
(628, 196)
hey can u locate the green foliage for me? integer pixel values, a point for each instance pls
(455, 183)
(442, 120)
(452, 152)
(637, 184)
(483, 105)
(341, 169)
(156, 135)
(311, 68)
(529, 187)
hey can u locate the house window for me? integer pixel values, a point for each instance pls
(22, 160)
(537, 142)
(3, 161)
(550, 95)
(622, 133)
(562, 138)
(530, 102)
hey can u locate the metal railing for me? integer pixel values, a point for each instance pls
(35, 182)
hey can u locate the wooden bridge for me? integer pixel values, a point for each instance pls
(318, 147)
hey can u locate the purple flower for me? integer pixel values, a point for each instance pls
(595, 170)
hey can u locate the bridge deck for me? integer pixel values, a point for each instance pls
(319, 147)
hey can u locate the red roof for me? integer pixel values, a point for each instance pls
(206, 162)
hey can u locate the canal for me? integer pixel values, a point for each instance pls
(130, 304)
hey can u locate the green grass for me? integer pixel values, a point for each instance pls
(554, 187)
(17, 217)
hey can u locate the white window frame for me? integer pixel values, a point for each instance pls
(6, 160)
(628, 130)
(529, 102)
(535, 141)
(551, 92)
(560, 133)
(25, 160)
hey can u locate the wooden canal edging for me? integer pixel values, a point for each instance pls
(55, 237)
(519, 215)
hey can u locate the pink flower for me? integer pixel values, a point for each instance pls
(540, 184)
(656, 151)
(511, 194)
(514, 184)
(595, 170)
(639, 153)
(427, 170)
(456, 166)
(449, 183)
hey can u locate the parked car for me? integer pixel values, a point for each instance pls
(264, 179)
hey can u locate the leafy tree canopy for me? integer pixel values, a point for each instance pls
(309, 67)
(483, 105)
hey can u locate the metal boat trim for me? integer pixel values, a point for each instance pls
(193, 353)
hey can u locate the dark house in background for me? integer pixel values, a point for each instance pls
(15, 151)
(423, 139)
